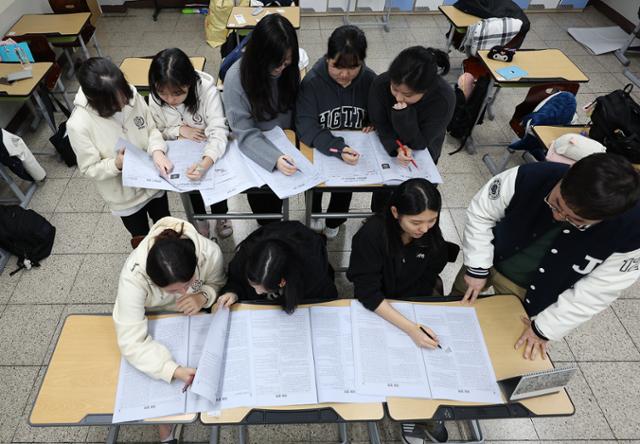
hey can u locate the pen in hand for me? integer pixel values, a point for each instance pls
(404, 150)
(188, 383)
(428, 335)
(292, 165)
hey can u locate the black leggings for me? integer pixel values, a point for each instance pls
(138, 225)
(266, 202)
(338, 203)
(198, 205)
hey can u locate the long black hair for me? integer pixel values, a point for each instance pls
(410, 198)
(348, 45)
(171, 259)
(172, 69)
(102, 83)
(266, 50)
(271, 260)
(418, 67)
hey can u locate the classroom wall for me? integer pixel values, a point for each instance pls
(10, 12)
(626, 8)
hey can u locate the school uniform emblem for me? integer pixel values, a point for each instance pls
(197, 285)
(494, 189)
(420, 256)
(632, 264)
(197, 119)
(138, 121)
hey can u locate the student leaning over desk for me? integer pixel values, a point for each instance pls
(185, 104)
(108, 108)
(566, 240)
(173, 269)
(260, 91)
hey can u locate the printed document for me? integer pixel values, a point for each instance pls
(183, 154)
(139, 171)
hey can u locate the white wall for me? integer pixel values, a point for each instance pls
(627, 8)
(10, 12)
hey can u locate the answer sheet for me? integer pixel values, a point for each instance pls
(333, 356)
(139, 171)
(339, 173)
(307, 176)
(394, 173)
(183, 154)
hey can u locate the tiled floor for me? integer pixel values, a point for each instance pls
(91, 245)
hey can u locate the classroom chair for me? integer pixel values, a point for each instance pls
(534, 97)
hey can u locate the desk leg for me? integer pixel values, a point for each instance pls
(63, 90)
(374, 436)
(43, 110)
(214, 438)
(83, 45)
(469, 145)
(112, 437)
(69, 56)
(285, 209)
(188, 208)
(242, 434)
(452, 30)
(94, 37)
(342, 431)
(308, 208)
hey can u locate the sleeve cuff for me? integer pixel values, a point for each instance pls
(210, 294)
(537, 331)
(477, 272)
(168, 369)
(114, 168)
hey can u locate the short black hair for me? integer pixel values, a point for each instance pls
(601, 186)
(172, 259)
(172, 68)
(418, 67)
(348, 46)
(102, 82)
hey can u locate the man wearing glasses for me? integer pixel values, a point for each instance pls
(566, 240)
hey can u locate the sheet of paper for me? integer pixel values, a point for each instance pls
(339, 173)
(230, 176)
(462, 370)
(387, 361)
(333, 356)
(284, 186)
(207, 355)
(183, 154)
(140, 397)
(236, 373)
(138, 170)
(282, 371)
(393, 172)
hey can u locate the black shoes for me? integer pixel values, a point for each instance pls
(420, 433)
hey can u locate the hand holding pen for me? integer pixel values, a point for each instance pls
(424, 337)
(286, 165)
(404, 155)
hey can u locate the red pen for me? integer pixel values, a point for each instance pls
(404, 150)
(188, 384)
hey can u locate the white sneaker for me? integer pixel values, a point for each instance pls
(224, 228)
(317, 225)
(331, 233)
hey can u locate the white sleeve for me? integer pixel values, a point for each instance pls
(485, 210)
(213, 273)
(590, 295)
(216, 129)
(169, 132)
(90, 161)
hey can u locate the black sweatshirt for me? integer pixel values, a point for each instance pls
(310, 252)
(419, 126)
(377, 275)
(324, 105)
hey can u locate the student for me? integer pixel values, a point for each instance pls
(399, 254)
(412, 104)
(566, 240)
(284, 262)
(185, 104)
(173, 269)
(333, 96)
(259, 94)
(108, 108)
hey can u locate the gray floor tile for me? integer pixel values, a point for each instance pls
(509, 429)
(8, 283)
(458, 189)
(110, 235)
(612, 383)
(628, 311)
(27, 330)
(74, 231)
(632, 292)
(17, 383)
(588, 422)
(55, 169)
(48, 194)
(283, 433)
(97, 279)
(603, 338)
(559, 351)
(81, 196)
(49, 284)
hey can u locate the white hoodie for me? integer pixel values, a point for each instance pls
(137, 293)
(93, 139)
(209, 117)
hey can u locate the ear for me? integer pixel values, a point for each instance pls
(394, 212)
(282, 283)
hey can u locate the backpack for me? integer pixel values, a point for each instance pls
(60, 140)
(232, 57)
(466, 111)
(26, 234)
(615, 123)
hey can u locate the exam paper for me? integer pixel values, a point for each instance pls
(333, 356)
(394, 173)
(282, 185)
(138, 170)
(183, 154)
(339, 173)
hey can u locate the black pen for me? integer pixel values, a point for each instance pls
(291, 164)
(430, 337)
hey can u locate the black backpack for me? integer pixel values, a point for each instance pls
(466, 111)
(615, 123)
(26, 234)
(13, 163)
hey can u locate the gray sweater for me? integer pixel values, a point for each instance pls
(244, 127)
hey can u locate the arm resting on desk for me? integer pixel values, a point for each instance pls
(589, 296)
(366, 265)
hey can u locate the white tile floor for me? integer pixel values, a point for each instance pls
(91, 245)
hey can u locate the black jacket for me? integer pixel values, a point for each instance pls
(377, 275)
(310, 250)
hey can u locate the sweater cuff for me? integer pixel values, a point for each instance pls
(114, 169)
(168, 369)
(537, 331)
(477, 272)
(210, 294)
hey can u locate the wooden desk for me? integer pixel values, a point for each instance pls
(50, 24)
(547, 134)
(79, 387)
(499, 318)
(542, 66)
(291, 13)
(458, 18)
(136, 69)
